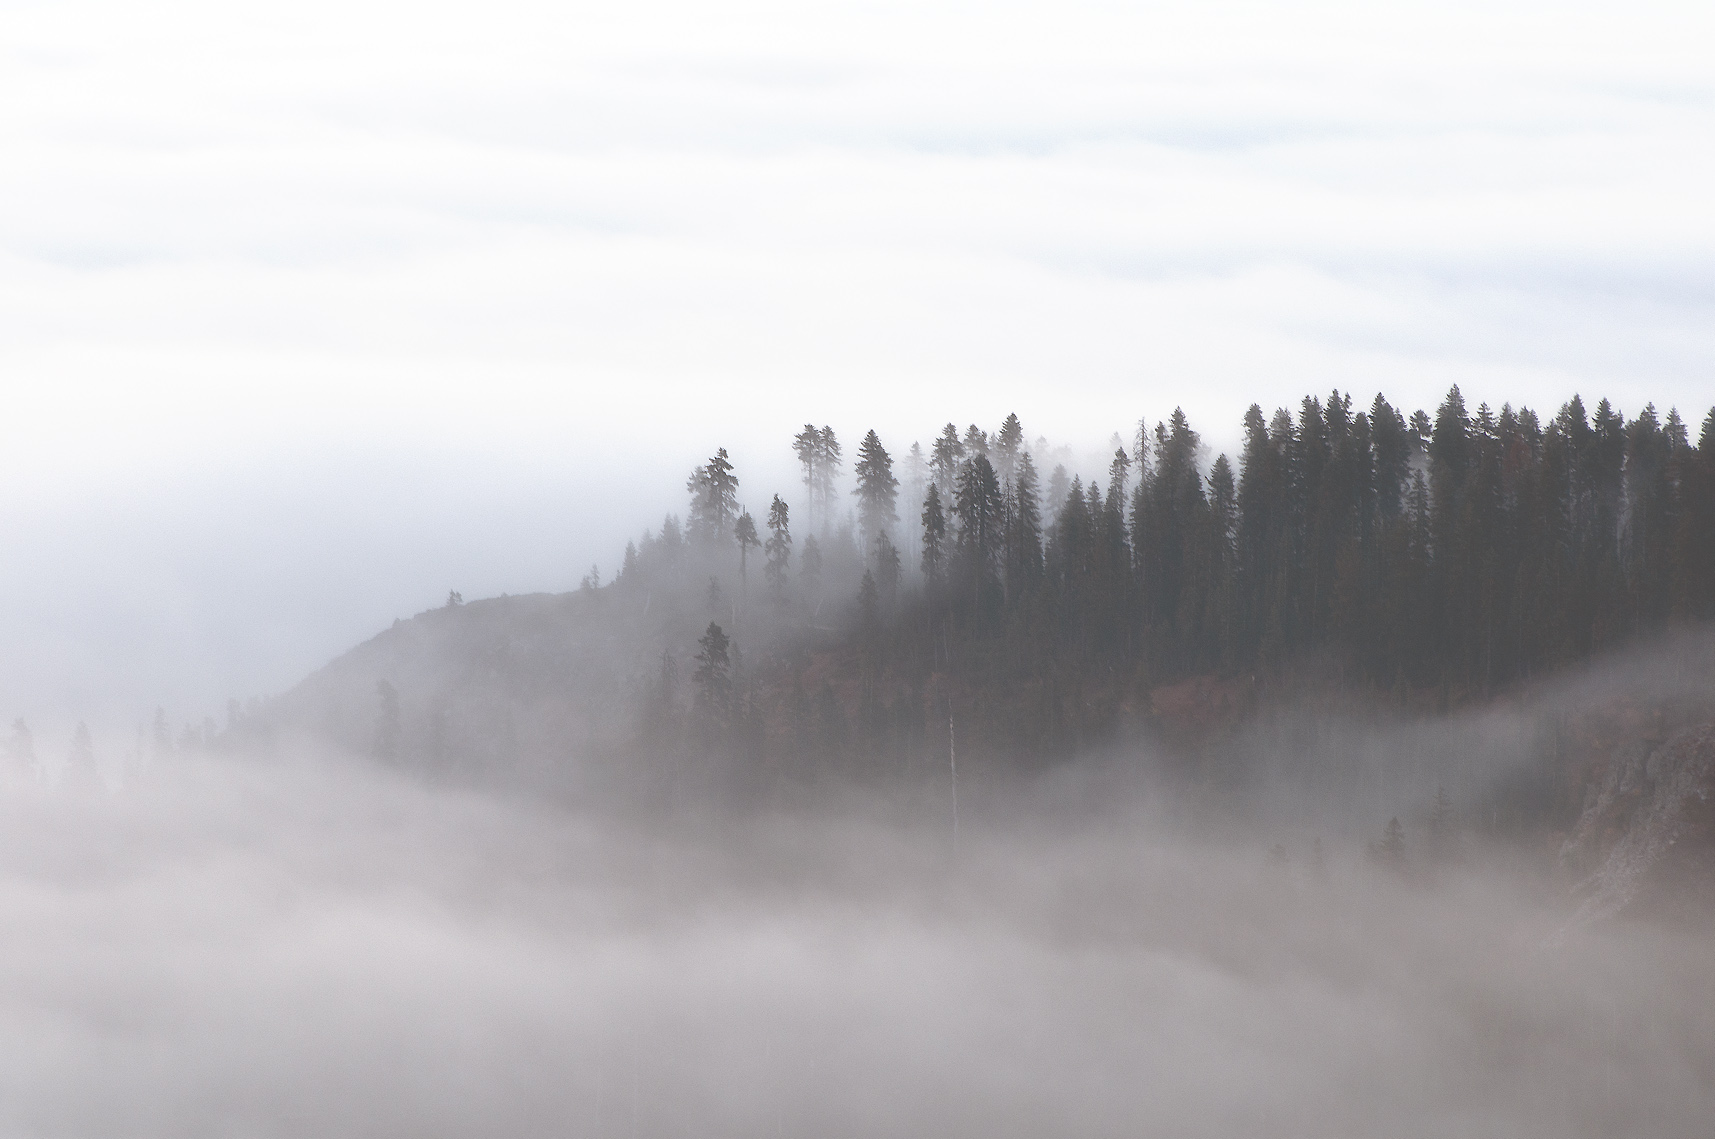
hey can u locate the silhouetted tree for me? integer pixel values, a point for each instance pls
(934, 536)
(714, 499)
(779, 548)
(713, 678)
(876, 490)
(744, 533)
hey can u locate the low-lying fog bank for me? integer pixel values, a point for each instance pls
(300, 950)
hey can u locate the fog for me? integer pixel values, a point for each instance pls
(306, 947)
(240, 248)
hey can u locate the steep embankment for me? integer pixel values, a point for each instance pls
(510, 689)
(1646, 837)
(1611, 765)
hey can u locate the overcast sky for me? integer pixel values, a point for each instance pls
(311, 312)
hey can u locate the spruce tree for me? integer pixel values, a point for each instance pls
(934, 562)
(944, 459)
(714, 680)
(877, 489)
(1008, 447)
(807, 445)
(886, 566)
(744, 533)
(779, 548)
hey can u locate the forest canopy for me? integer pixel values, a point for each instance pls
(1464, 550)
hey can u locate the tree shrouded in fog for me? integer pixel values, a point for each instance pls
(714, 500)
(877, 488)
(713, 676)
(818, 451)
(934, 536)
(944, 458)
(744, 533)
(1451, 553)
(779, 547)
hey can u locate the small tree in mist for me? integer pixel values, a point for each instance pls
(22, 748)
(810, 566)
(713, 679)
(744, 533)
(886, 566)
(80, 759)
(779, 548)
(163, 735)
(1390, 851)
(869, 603)
(1440, 825)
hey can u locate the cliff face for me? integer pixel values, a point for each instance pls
(1646, 837)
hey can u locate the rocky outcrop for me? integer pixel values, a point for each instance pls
(1648, 824)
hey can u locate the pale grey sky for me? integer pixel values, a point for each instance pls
(310, 313)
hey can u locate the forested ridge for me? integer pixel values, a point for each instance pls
(1456, 553)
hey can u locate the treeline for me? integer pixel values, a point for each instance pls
(1466, 550)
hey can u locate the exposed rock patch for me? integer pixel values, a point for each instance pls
(1648, 821)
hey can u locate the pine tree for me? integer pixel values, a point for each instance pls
(744, 533)
(934, 536)
(713, 679)
(827, 472)
(22, 748)
(945, 456)
(163, 735)
(1024, 533)
(807, 445)
(80, 760)
(1008, 447)
(877, 489)
(779, 548)
(869, 601)
(714, 499)
(886, 566)
(977, 507)
(810, 566)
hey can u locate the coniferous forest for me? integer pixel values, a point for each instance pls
(1451, 554)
